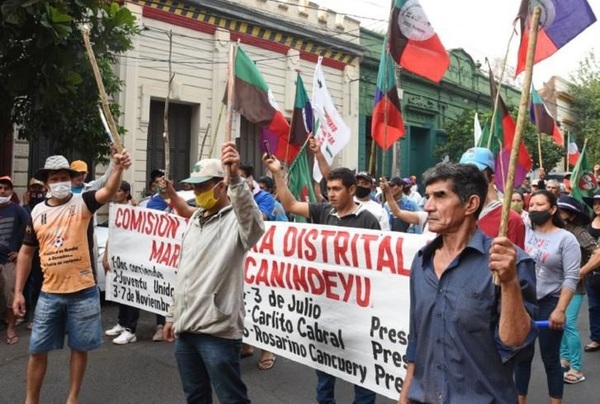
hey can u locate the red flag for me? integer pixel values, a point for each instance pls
(387, 125)
(542, 119)
(573, 151)
(560, 22)
(524, 163)
(414, 45)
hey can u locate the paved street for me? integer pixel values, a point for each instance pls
(145, 372)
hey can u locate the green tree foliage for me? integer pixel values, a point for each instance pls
(586, 103)
(459, 137)
(46, 81)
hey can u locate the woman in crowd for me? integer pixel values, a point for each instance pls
(557, 257)
(592, 284)
(517, 203)
(575, 217)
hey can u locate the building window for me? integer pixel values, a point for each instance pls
(180, 116)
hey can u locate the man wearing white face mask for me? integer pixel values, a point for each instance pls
(69, 303)
(13, 219)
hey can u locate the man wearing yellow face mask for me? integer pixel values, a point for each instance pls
(207, 314)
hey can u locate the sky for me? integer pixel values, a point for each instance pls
(480, 27)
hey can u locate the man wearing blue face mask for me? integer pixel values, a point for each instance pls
(207, 314)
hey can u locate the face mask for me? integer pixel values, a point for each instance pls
(60, 190)
(517, 206)
(4, 200)
(539, 218)
(206, 200)
(37, 195)
(362, 192)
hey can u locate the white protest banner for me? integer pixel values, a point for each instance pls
(143, 247)
(330, 128)
(333, 298)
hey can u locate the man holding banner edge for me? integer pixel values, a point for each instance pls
(340, 211)
(465, 333)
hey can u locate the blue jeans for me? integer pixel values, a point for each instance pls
(593, 295)
(326, 391)
(570, 347)
(203, 360)
(549, 341)
(75, 314)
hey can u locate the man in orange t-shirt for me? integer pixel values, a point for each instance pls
(69, 303)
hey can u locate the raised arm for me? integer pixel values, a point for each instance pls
(407, 216)
(100, 182)
(315, 147)
(121, 162)
(290, 204)
(179, 204)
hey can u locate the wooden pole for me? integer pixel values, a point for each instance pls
(230, 95)
(497, 100)
(523, 107)
(372, 155)
(103, 97)
(567, 164)
(540, 149)
(204, 141)
(216, 131)
(166, 113)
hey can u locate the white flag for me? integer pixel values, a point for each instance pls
(476, 129)
(330, 129)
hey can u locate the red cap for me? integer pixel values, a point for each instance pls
(6, 178)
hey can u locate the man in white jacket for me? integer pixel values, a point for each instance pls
(207, 314)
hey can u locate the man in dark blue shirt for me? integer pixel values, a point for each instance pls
(13, 219)
(465, 332)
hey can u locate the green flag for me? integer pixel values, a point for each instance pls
(495, 143)
(300, 180)
(583, 182)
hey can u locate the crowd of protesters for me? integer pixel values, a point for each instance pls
(544, 267)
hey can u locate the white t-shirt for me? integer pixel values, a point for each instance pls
(376, 210)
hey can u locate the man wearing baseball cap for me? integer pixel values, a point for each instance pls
(70, 302)
(395, 186)
(210, 279)
(490, 216)
(78, 184)
(13, 219)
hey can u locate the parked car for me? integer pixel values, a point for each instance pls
(101, 233)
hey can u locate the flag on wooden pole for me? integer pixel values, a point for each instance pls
(541, 118)
(387, 125)
(330, 128)
(504, 132)
(583, 182)
(414, 44)
(573, 151)
(561, 21)
(477, 131)
(254, 100)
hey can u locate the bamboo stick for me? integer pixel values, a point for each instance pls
(523, 107)
(103, 96)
